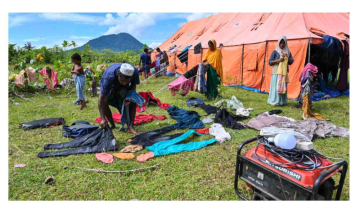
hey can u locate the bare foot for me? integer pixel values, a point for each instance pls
(133, 131)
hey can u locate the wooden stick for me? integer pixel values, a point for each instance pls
(22, 96)
(120, 172)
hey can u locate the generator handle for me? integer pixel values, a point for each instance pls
(237, 170)
(328, 172)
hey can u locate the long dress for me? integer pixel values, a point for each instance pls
(274, 96)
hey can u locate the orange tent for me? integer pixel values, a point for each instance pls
(249, 39)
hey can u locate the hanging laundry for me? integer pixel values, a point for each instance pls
(31, 74)
(228, 119)
(181, 83)
(124, 156)
(183, 56)
(194, 102)
(235, 105)
(186, 48)
(149, 98)
(219, 132)
(139, 118)
(209, 109)
(202, 81)
(53, 76)
(20, 79)
(197, 80)
(197, 48)
(172, 146)
(43, 123)
(192, 72)
(212, 83)
(101, 140)
(104, 157)
(132, 148)
(266, 120)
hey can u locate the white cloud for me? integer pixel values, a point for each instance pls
(155, 44)
(196, 16)
(133, 23)
(80, 18)
(80, 37)
(33, 40)
(181, 24)
(18, 20)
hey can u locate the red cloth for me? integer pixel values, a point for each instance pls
(148, 96)
(139, 118)
(53, 77)
(202, 130)
(143, 74)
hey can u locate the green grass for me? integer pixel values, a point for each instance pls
(205, 174)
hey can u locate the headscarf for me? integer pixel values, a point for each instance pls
(214, 58)
(286, 48)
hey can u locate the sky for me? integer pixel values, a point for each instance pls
(49, 29)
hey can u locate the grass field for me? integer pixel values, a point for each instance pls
(205, 174)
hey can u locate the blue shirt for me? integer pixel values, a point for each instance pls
(145, 59)
(109, 80)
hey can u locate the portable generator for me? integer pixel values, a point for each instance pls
(272, 177)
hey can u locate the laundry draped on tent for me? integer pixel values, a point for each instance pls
(249, 39)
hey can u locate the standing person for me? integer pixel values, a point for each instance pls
(280, 59)
(159, 53)
(79, 78)
(145, 59)
(214, 57)
(116, 81)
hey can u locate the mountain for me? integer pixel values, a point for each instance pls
(115, 42)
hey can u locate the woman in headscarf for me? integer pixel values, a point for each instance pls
(213, 57)
(280, 59)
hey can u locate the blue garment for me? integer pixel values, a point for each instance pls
(79, 81)
(331, 44)
(145, 59)
(275, 56)
(274, 96)
(109, 80)
(202, 80)
(171, 146)
(186, 48)
(132, 96)
(170, 74)
(186, 119)
(195, 102)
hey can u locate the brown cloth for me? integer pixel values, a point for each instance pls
(132, 148)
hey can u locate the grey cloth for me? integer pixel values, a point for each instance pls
(266, 120)
(312, 128)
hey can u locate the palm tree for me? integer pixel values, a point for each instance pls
(28, 46)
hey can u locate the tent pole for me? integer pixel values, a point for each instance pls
(242, 66)
(309, 50)
(262, 77)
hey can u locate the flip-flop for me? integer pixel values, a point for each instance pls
(145, 157)
(124, 156)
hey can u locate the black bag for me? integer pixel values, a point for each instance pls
(42, 123)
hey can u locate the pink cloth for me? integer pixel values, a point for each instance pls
(308, 68)
(104, 157)
(54, 78)
(181, 83)
(148, 96)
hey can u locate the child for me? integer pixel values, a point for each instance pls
(91, 74)
(79, 78)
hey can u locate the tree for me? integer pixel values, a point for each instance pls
(12, 52)
(28, 46)
(65, 44)
(73, 43)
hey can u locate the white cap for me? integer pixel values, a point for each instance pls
(127, 69)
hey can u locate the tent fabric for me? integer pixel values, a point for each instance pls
(249, 38)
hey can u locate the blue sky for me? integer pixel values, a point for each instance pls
(49, 29)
